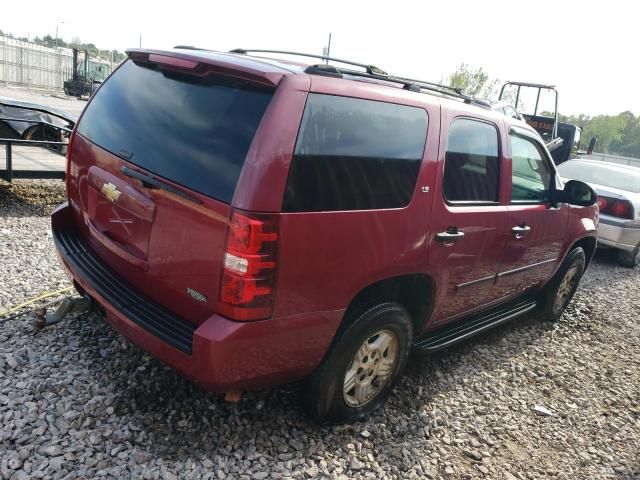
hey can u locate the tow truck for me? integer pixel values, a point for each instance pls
(562, 139)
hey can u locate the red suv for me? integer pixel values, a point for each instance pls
(253, 221)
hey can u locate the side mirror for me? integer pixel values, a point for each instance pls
(579, 193)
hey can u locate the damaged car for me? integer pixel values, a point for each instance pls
(30, 121)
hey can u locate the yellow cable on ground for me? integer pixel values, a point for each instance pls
(33, 300)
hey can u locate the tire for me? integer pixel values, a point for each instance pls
(43, 133)
(629, 259)
(363, 351)
(560, 290)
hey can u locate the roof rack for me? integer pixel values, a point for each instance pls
(370, 69)
(374, 72)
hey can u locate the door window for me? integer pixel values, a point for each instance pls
(471, 166)
(531, 176)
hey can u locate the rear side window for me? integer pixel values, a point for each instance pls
(355, 154)
(193, 130)
(471, 166)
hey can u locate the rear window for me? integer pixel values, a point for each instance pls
(193, 130)
(354, 154)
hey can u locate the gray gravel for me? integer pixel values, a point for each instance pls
(527, 401)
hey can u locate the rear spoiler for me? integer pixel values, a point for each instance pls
(202, 62)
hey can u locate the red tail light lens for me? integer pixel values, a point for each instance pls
(248, 277)
(622, 209)
(602, 203)
(617, 207)
(67, 174)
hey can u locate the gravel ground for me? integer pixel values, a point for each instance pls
(77, 401)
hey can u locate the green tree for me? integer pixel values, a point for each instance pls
(629, 142)
(476, 83)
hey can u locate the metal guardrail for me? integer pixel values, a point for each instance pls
(8, 174)
(619, 159)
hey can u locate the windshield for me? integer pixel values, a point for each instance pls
(606, 175)
(195, 131)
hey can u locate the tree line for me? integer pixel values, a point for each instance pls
(616, 134)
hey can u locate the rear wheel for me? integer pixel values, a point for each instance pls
(629, 259)
(362, 367)
(44, 133)
(563, 286)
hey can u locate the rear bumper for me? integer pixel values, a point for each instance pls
(614, 234)
(219, 354)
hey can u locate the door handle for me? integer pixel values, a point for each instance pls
(452, 234)
(520, 231)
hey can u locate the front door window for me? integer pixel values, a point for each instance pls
(530, 174)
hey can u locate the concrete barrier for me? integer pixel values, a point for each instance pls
(30, 65)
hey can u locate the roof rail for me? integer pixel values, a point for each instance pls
(458, 92)
(374, 72)
(408, 84)
(370, 69)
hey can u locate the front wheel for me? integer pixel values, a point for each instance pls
(362, 367)
(563, 286)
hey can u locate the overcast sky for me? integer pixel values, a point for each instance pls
(589, 49)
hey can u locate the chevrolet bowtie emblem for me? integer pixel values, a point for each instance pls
(111, 192)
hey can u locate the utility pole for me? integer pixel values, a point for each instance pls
(326, 51)
(57, 25)
(140, 41)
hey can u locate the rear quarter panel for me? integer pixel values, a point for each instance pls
(326, 258)
(264, 174)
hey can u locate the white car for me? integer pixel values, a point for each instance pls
(618, 188)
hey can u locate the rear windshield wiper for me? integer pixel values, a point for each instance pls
(150, 181)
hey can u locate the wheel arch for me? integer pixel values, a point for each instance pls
(588, 244)
(415, 292)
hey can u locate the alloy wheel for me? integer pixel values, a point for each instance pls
(371, 368)
(565, 288)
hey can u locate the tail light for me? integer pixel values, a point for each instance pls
(602, 203)
(249, 272)
(67, 173)
(622, 209)
(617, 207)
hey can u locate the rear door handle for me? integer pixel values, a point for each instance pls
(451, 235)
(520, 231)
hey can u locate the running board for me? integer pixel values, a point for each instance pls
(461, 330)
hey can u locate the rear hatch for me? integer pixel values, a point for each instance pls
(153, 167)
